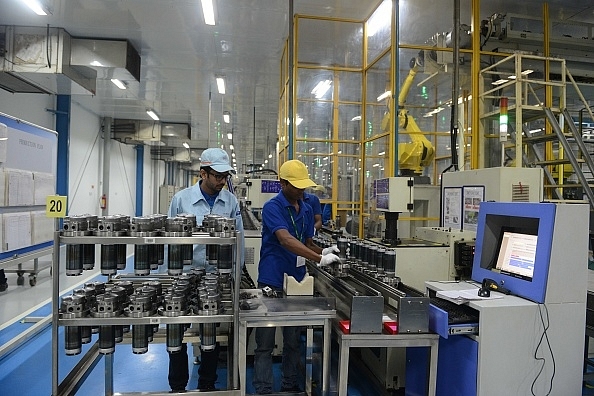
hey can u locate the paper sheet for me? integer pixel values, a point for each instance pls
(462, 296)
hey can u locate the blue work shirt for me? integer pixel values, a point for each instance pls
(326, 213)
(313, 201)
(276, 260)
(191, 200)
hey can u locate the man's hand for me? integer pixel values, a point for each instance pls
(328, 259)
(331, 249)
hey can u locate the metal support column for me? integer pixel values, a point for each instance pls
(139, 178)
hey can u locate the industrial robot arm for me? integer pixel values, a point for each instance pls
(418, 153)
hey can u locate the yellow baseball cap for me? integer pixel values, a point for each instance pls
(295, 172)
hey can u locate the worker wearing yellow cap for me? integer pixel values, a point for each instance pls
(287, 231)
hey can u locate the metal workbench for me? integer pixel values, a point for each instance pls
(290, 311)
(347, 341)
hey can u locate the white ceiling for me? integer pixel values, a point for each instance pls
(181, 55)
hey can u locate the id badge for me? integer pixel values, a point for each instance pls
(300, 261)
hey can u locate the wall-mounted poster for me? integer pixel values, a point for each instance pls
(452, 207)
(472, 196)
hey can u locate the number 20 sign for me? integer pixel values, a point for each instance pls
(55, 206)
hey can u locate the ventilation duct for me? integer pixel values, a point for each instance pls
(50, 61)
(136, 131)
(37, 60)
(110, 58)
(149, 132)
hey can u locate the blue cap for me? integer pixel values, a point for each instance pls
(217, 159)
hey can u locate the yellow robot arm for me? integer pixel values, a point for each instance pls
(418, 153)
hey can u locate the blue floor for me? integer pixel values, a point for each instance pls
(28, 369)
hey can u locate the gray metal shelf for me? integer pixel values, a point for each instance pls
(71, 382)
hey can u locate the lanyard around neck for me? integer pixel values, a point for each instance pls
(299, 236)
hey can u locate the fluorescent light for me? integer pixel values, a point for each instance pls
(118, 83)
(35, 6)
(230, 136)
(381, 153)
(356, 118)
(226, 117)
(208, 12)
(500, 81)
(152, 114)
(221, 85)
(231, 147)
(321, 88)
(384, 96)
(298, 120)
(186, 145)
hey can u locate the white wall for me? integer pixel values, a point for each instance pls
(85, 153)
(86, 156)
(29, 107)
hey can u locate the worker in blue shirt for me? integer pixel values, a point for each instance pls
(287, 231)
(208, 196)
(313, 201)
(327, 209)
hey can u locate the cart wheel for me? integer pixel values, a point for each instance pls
(32, 280)
(20, 280)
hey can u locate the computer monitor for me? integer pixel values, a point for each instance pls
(513, 246)
(517, 254)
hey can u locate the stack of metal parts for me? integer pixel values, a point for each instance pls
(77, 256)
(179, 294)
(113, 256)
(193, 293)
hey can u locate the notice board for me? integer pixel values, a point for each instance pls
(28, 164)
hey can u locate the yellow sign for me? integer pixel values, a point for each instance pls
(55, 206)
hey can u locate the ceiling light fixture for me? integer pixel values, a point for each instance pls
(230, 136)
(221, 84)
(118, 83)
(186, 145)
(35, 6)
(321, 88)
(226, 117)
(269, 155)
(208, 12)
(384, 96)
(231, 147)
(152, 114)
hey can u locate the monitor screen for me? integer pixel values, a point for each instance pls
(517, 254)
(513, 246)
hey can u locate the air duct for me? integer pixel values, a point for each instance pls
(37, 60)
(48, 60)
(110, 58)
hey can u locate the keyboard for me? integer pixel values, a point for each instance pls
(457, 314)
